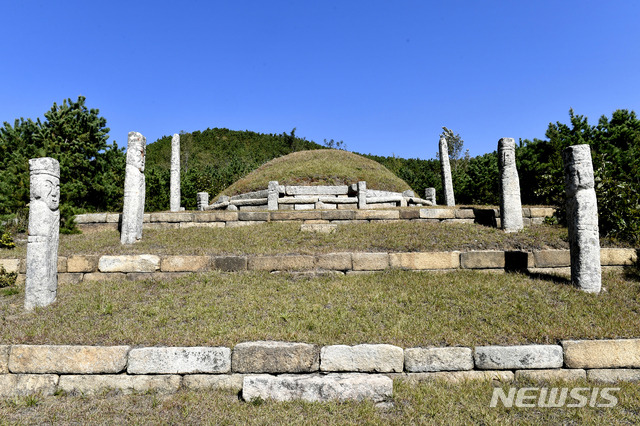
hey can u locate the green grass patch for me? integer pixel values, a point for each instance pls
(403, 308)
(286, 237)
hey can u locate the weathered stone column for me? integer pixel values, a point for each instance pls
(44, 226)
(134, 187)
(202, 200)
(510, 203)
(273, 195)
(447, 183)
(362, 194)
(174, 185)
(430, 195)
(582, 218)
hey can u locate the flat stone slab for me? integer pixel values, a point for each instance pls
(425, 260)
(438, 359)
(459, 376)
(482, 259)
(179, 360)
(334, 261)
(614, 375)
(618, 353)
(184, 263)
(552, 374)
(518, 357)
(129, 263)
(370, 261)
(275, 357)
(232, 382)
(281, 263)
(10, 265)
(362, 358)
(4, 358)
(80, 263)
(437, 213)
(27, 384)
(318, 388)
(63, 359)
(618, 256)
(93, 384)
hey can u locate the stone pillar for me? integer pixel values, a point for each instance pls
(134, 187)
(447, 183)
(430, 195)
(362, 194)
(273, 195)
(174, 185)
(510, 203)
(44, 226)
(202, 200)
(582, 218)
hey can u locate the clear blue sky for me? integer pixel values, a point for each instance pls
(382, 76)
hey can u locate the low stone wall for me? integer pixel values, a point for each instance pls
(284, 370)
(77, 268)
(190, 219)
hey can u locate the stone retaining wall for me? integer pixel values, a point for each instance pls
(284, 370)
(77, 268)
(221, 219)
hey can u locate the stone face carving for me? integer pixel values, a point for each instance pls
(430, 195)
(447, 183)
(582, 218)
(510, 203)
(134, 187)
(174, 200)
(202, 200)
(44, 226)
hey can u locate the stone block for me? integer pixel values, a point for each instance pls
(23, 266)
(615, 375)
(179, 360)
(162, 225)
(306, 206)
(184, 263)
(565, 374)
(11, 265)
(377, 214)
(425, 260)
(172, 217)
(437, 213)
(409, 214)
(281, 263)
(231, 382)
(94, 384)
(316, 388)
(12, 385)
(230, 263)
(81, 263)
(154, 276)
(129, 263)
(184, 225)
(215, 216)
(317, 190)
(62, 264)
(70, 278)
(320, 228)
(482, 260)
(618, 353)
(362, 358)
(43, 359)
(91, 218)
(542, 212)
(275, 357)
(618, 256)
(464, 214)
(326, 206)
(254, 216)
(113, 217)
(338, 214)
(101, 277)
(552, 258)
(316, 221)
(348, 206)
(518, 357)
(4, 359)
(244, 223)
(88, 228)
(438, 359)
(460, 376)
(334, 261)
(293, 215)
(370, 261)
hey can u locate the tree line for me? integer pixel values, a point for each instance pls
(92, 170)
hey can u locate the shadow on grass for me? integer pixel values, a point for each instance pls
(632, 272)
(549, 277)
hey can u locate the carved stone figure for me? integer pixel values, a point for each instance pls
(44, 226)
(134, 187)
(202, 200)
(510, 203)
(582, 218)
(430, 195)
(447, 183)
(174, 196)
